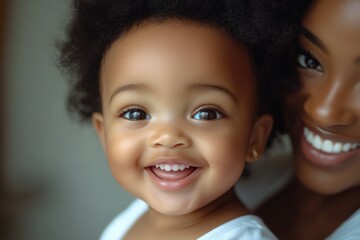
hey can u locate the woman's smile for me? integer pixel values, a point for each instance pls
(326, 150)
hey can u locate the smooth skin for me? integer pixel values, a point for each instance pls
(179, 92)
(327, 189)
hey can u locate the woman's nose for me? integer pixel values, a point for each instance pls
(169, 136)
(330, 105)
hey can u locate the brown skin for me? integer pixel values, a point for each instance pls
(194, 226)
(322, 197)
(169, 73)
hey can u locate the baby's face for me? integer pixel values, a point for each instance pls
(179, 105)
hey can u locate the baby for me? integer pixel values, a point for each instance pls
(180, 94)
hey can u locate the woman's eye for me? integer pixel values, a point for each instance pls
(306, 60)
(135, 115)
(207, 115)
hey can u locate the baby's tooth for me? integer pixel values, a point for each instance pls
(162, 167)
(317, 142)
(327, 146)
(187, 166)
(175, 168)
(346, 147)
(167, 168)
(353, 146)
(337, 147)
(182, 167)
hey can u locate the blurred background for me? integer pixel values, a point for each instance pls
(54, 179)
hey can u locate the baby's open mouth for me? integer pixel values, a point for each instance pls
(172, 172)
(172, 167)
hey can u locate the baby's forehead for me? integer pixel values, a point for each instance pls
(176, 44)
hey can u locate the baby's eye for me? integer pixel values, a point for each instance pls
(307, 60)
(135, 115)
(208, 114)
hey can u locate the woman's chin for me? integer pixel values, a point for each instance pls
(324, 181)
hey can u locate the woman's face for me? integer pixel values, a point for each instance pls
(324, 117)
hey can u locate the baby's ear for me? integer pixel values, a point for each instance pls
(98, 124)
(259, 136)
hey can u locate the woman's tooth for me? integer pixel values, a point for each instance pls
(327, 146)
(317, 143)
(346, 147)
(353, 146)
(175, 168)
(310, 137)
(182, 167)
(337, 147)
(306, 131)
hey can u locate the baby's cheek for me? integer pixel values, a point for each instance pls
(122, 150)
(227, 151)
(124, 154)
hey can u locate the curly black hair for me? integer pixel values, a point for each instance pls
(267, 28)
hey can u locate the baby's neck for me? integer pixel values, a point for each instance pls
(192, 225)
(227, 206)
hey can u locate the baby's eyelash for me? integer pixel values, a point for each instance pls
(133, 113)
(219, 114)
(126, 109)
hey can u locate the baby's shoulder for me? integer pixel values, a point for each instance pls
(248, 227)
(119, 226)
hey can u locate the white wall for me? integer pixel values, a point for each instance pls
(57, 159)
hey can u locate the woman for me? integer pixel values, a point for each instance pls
(323, 120)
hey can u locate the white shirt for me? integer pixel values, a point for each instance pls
(248, 227)
(349, 230)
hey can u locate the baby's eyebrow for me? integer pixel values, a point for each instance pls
(216, 88)
(132, 87)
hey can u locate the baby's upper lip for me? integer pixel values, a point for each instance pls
(325, 134)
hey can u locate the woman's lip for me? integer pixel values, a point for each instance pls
(327, 145)
(323, 159)
(326, 134)
(171, 180)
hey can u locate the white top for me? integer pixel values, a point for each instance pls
(271, 173)
(349, 230)
(248, 227)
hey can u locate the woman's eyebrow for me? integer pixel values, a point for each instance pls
(313, 38)
(132, 87)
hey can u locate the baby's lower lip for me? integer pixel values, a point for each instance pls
(172, 180)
